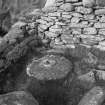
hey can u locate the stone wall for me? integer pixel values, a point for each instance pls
(70, 23)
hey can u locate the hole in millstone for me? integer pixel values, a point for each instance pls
(2, 32)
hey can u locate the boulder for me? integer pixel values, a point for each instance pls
(17, 98)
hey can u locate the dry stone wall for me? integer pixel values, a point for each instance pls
(71, 22)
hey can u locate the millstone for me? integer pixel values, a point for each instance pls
(49, 67)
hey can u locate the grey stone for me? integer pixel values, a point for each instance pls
(43, 27)
(19, 24)
(52, 17)
(50, 9)
(41, 21)
(71, 1)
(100, 47)
(78, 4)
(89, 17)
(83, 24)
(99, 25)
(100, 3)
(102, 31)
(49, 67)
(84, 10)
(75, 20)
(59, 4)
(51, 34)
(66, 16)
(102, 19)
(60, 23)
(95, 95)
(102, 43)
(75, 14)
(101, 67)
(76, 31)
(57, 31)
(99, 11)
(58, 41)
(90, 30)
(100, 74)
(88, 77)
(17, 98)
(67, 39)
(89, 3)
(58, 14)
(67, 7)
(59, 1)
(47, 19)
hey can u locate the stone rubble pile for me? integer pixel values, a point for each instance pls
(71, 22)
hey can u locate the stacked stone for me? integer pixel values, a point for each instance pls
(73, 23)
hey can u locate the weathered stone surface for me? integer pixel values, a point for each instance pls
(66, 16)
(87, 78)
(79, 25)
(76, 14)
(89, 17)
(19, 24)
(102, 19)
(43, 27)
(51, 34)
(49, 3)
(67, 7)
(102, 31)
(99, 25)
(99, 11)
(84, 10)
(50, 9)
(67, 39)
(90, 30)
(102, 43)
(50, 67)
(59, 0)
(95, 95)
(54, 14)
(17, 98)
(88, 3)
(77, 31)
(100, 74)
(71, 1)
(75, 20)
(55, 30)
(100, 3)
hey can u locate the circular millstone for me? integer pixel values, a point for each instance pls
(49, 67)
(17, 98)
